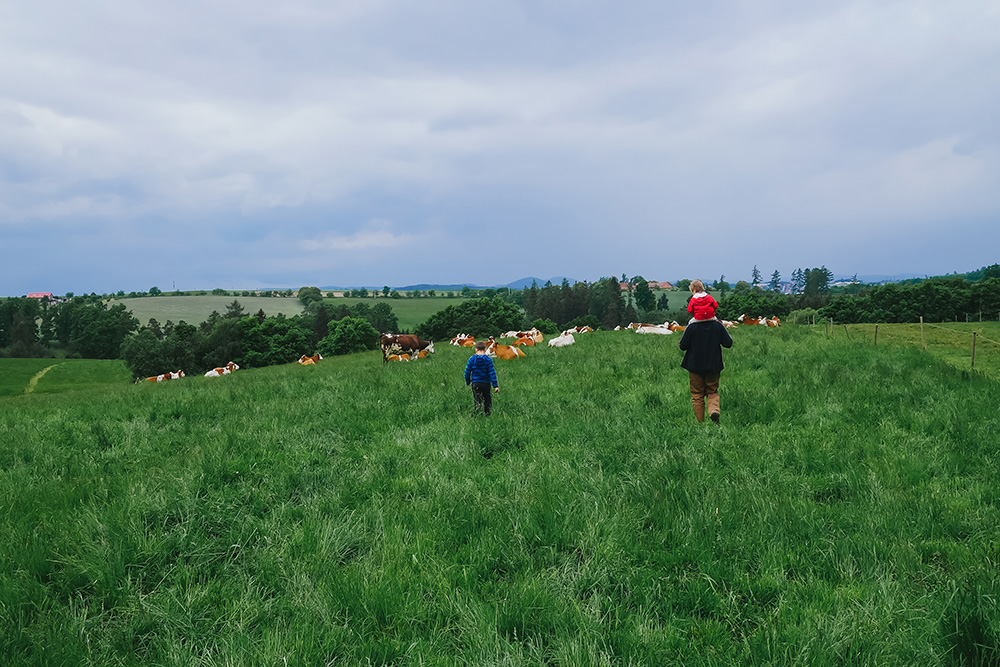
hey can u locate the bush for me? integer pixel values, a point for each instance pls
(478, 317)
(351, 334)
(546, 326)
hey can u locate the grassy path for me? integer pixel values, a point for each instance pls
(33, 382)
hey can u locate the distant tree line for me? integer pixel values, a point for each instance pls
(935, 299)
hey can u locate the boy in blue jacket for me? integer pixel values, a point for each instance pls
(479, 373)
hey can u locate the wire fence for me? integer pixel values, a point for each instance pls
(956, 342)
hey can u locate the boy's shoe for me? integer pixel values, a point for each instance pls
(714, 417)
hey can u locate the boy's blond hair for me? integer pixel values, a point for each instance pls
(697, 286)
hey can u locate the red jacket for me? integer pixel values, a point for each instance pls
(702, 306)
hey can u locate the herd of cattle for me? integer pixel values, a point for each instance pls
(405, 347)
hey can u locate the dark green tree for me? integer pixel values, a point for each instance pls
(234, 311)
(644, 297)
(143, 354)
(755, 277)
(477, 317)
(351, 334)
(775, 284)
(308, 295)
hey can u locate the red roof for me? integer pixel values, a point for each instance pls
(39, 295)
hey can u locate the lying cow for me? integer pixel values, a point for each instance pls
(400, 343)
(222, 370)
(166, 376)
(309, 361)
(494, 349)
(562, 341)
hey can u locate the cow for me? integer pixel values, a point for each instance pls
(463, 340)
(562, 341)
(654, 330)
(400, 343)
(729, 324)
(505, 352)
(743, 319)
(772, 322)
(398, 357)
(675, 326)
(166, 376)
(525, 340)
(583, 329)
(422, 354)
(223, 370)
(309, 361)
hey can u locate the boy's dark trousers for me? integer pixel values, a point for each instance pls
(482, 398)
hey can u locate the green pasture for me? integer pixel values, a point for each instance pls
(196, 309)
(845, 512)
(950, 342)
(48, 376)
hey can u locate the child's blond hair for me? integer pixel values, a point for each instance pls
(697, 286)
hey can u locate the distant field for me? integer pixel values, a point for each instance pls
(196, 309)
(59, 375)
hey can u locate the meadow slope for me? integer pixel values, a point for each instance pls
(845, 512)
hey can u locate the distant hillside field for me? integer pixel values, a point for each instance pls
(845, 512)
(196, 309)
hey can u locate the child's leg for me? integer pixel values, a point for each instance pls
(697, 395)
(477, 397)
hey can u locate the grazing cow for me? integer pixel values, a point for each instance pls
(309, 361)
(494, 349)
(223, 370)
(400, 343)
(398, 357)
(562, 341)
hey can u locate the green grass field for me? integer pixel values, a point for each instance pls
(46, 376)
(196, 309)
(846, 512)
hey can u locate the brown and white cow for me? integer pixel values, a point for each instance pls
(494, 349)
(222, 370)
(166, 376)
(400, 343)
(309, 361)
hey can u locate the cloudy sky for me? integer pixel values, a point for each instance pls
(214, 143)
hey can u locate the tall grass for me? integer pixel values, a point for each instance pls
(349, 513)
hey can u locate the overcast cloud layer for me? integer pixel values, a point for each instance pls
(249, 144)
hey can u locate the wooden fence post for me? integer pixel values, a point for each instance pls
(974, 334)
(923, 344)
(847, 333)
(876, 334)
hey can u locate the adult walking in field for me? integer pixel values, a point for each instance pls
(702, 343)
(481, 374)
